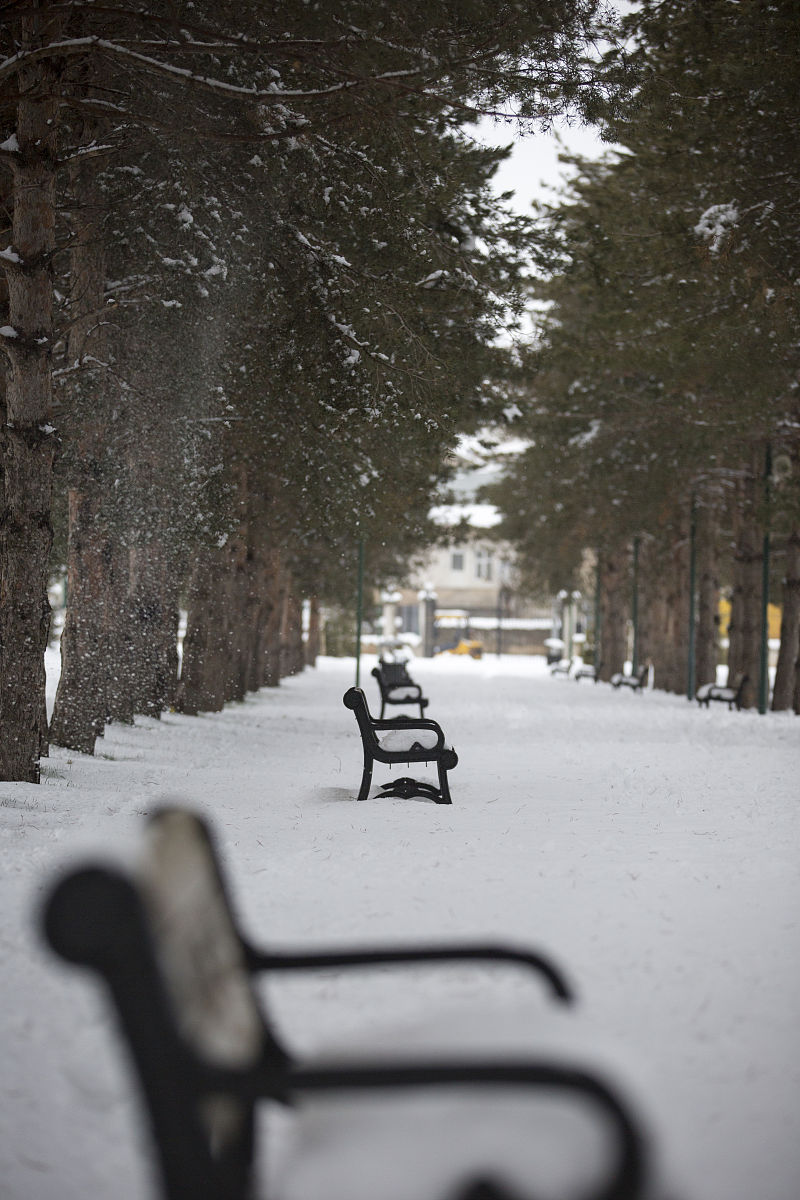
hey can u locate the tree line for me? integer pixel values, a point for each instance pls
(661, 397)
(253, 276)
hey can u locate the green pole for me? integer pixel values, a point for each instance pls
(763, 679)
(690, 672)
(635, 607)
(597, 614)
(359, 607)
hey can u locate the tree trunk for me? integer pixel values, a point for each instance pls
(293, 658)
(707, 627)
(672, 672)
(265, 560)
(95, 568)
(745, 632)
(152, 672)
(786, 673)
(26, 532)
(614, 608)
(278, 585)
(203, 672)
(313, 643)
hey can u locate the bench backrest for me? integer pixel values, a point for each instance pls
(354, 698)
(392, 673)
(164, 938)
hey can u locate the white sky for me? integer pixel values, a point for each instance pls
(534, 170)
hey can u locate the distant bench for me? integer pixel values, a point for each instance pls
(563, 667)
(397, 686)
(588, 671)
(732, 696)
(163, 938)
(401, 740)
(634, 682)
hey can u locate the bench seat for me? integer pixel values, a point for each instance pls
(399, 741)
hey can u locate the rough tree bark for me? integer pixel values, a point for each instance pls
(96, 570)
(277, 586)
(614, 611)
(314, 631)
(786, 672)
(745, 624)
(707, 627)
(203, 671)
(671, 654)
(293, 658)
(25, 525)
(151, 674)
(266, 566)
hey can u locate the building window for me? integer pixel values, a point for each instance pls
(409, 614)
(457, 560)
(483, 564)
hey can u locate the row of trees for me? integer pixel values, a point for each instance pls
(254, 272)
(664, 407)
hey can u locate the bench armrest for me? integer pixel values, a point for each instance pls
(263, 961)
(406, 723)
(627, 1172)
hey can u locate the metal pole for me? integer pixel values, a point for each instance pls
(597, 614)
(690, 672)
(359, 607)
(763, 675)
(499, 620)
(635, 608)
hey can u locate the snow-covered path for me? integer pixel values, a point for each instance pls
(650, 846)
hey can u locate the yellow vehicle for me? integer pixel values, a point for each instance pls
(465, 646)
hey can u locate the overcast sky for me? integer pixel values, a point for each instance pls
(533, 169)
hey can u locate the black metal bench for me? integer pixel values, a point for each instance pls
(587, 671)
(397, 686)
(401, 740)
(634, 682)
(164, 940)
(732, 696)
(563, 667)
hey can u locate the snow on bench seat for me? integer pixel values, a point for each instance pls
(395, 740)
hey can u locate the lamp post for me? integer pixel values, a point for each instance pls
(691, 666)
(359, 606)
(562, 598)
(597, 610)
(763, 674)
(635, 607)
(574, 622)
(503, 593)
(390, 600)
(427, 606)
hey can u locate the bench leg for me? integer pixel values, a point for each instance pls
(444, 787)
(366, 778)
(383, 708)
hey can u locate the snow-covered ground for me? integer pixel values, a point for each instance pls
(650, 846)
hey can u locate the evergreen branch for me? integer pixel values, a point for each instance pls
(272, 94)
